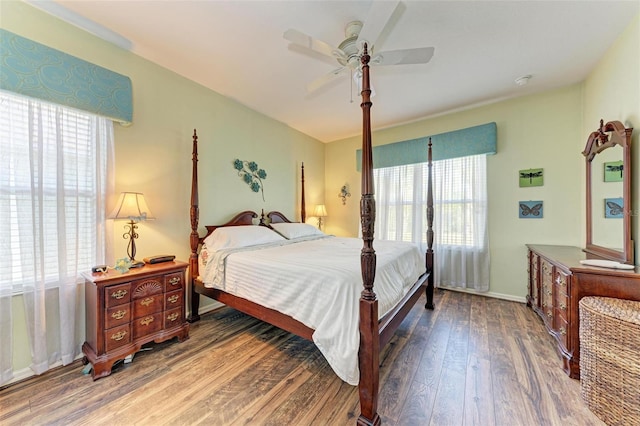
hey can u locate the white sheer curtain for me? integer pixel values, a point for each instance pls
(56, 169)
(460, 216)
(461, 222)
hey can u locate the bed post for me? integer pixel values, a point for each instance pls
(369, 353)
(429, 255)
(303, 212)
(194, 238)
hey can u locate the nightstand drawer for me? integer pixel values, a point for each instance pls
(173, 318)
(173, 281)
(173, 300)
(147, 305)
(117, 294)
(117, 315)
(146, 287)
(117, 337)
(147, 325)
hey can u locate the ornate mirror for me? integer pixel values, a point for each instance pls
(608, 170)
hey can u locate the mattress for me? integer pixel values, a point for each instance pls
(317, 281)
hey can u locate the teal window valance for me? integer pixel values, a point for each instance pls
(458, 143)
(38, 71)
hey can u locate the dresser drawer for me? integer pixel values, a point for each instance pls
(117, 294)
(561, 304)
(173, 318)
(147, 325)
(173, 300)
(117, 315)
(147, 305)
(116, 337)
(173, 282)
(146, 287)
(562, 330)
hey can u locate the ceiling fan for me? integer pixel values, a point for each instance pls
(349, 50)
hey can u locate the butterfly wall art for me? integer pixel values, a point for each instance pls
(613, 171)
(531, 177)
(530, 209)
(613, 208)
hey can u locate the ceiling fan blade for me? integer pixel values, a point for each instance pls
(321, 81)
(301, 39)
(420, 55)
(377, 20)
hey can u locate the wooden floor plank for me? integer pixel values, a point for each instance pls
(472, 361)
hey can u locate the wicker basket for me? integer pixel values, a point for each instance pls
(610, 359)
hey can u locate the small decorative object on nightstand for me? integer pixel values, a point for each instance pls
(125, 311)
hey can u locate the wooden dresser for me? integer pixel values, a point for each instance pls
(557, 282)
(125, 311)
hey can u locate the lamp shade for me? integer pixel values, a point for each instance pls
(131, 206)
(320, 211)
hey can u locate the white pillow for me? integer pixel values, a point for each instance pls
(240, 236)
(296, 230)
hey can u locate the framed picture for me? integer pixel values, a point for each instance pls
(613, 208)
(530, 209)
(613, 171)
(531, 177)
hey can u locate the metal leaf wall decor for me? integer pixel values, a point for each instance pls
(251, 174)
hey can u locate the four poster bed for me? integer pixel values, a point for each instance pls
(348, 323)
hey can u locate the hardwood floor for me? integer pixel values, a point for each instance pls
(471, 361)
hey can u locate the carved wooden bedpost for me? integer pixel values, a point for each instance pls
(429, 255)
(303, 212)
(194, 213)
(369, 352)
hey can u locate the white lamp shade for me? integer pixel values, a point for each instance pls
(320, 211)
(131, 206)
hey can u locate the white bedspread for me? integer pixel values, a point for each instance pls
(318, 282)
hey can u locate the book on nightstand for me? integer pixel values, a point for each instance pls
(159, 258)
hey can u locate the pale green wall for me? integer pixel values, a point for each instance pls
(153, 155)
(538, 131)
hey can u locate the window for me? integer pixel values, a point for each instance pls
(460, 215)
(50, 170)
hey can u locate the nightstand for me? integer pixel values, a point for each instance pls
(125, 311)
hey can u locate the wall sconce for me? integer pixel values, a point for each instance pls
(133, 207)
(344, 193)
(320, 211)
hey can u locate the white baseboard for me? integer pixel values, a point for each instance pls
(508, 297)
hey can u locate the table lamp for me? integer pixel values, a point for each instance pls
(132, 207)
(320, 212)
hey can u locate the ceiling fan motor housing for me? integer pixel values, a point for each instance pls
(349, 46)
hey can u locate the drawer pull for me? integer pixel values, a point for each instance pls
(173, 299)
(147, 301)
(119, 335)
(119, 294)
(174, 281)
(563, 306)
(174, 316)
(549, 314)
(563, 331)
(146, 321)
(119, 314)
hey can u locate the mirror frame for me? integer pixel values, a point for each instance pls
(609, 135)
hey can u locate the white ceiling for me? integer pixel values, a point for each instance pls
(237, 49)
